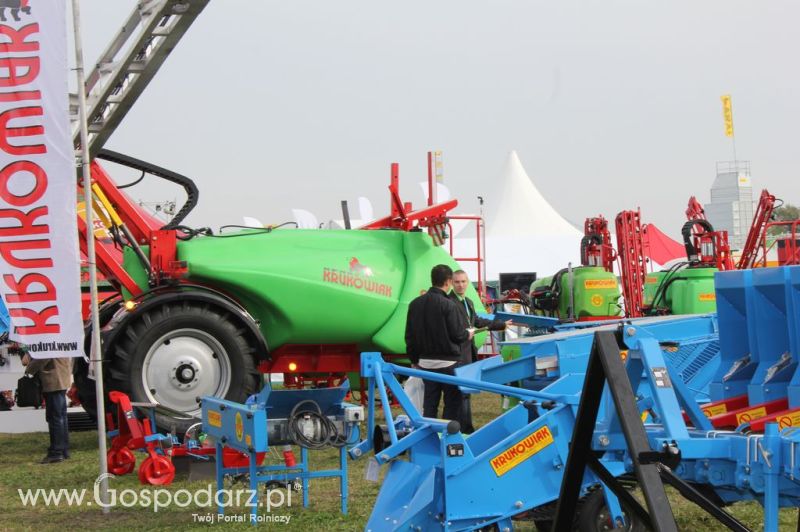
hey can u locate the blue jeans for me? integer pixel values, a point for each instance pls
(55, 404)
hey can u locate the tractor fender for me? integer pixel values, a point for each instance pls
(182, 293)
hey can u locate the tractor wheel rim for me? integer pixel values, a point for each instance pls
(184, 365)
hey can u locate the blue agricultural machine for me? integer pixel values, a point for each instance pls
(312, 419)
(707, 404)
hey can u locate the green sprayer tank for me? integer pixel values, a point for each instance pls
(685, 291)
(595, 293)
(319, 287)
(652, 283)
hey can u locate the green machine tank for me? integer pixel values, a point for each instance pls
(652, 282)
(688, 287)
(260, 301)
(681, 291)
(594, 291)
(313, 286)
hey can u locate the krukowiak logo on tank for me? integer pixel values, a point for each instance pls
(357, 277)
(39, 258)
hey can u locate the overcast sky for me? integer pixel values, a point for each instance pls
(610, 104)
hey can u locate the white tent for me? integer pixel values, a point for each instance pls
(523, 231)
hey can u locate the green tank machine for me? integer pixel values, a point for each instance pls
(687, 287)
(584, 293)
(203, 314)
(591, 291)
(588, 292)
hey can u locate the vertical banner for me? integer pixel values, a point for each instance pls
(39, 258)
(438, 166)
(727, 114)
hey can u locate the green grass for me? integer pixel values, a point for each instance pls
(19, 469)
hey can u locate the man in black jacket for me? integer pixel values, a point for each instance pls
(435, 333)
(469, 351)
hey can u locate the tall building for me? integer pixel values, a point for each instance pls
(731, 206)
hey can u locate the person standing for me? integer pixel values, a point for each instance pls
(56, 377)
(469, 349)
(435, 333)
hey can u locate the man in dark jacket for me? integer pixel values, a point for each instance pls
(469, 351)
(56, 377)
(435, 333)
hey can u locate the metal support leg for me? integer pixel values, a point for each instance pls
(343, 478)
(253, 487)
(701, 500)
(304, 460)
(387, 408)
(581, 443)
(615, 512)
(220, 478)
(505, 525)
(770, 447)
(605, 365)
(618, 489)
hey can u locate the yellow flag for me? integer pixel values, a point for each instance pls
(438, 166)
(727, 114)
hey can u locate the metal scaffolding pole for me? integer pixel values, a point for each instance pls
(96, 352)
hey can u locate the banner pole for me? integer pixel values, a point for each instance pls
(96, 352)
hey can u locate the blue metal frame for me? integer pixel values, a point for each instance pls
(450, 481)
(244, 427)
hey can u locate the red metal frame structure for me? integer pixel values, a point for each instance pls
(711, 247)
(131, 225)
(434, 177)
(695, 210)
(756, 238)
(633, 256)
(403, 217)
(596, 247)
(788, 247)
(479, 258)
(108, 257)
(157, 469)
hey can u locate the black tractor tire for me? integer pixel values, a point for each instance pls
(189, 350)
(593, 516)
(80, 367)
(85, 386)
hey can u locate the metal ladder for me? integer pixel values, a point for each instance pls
(128, 64)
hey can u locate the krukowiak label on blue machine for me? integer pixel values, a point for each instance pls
(521, 451)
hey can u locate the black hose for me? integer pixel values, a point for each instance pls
(661, 292)
(328, 436)
(585, 241)
(253, 230)
(190, 233)
(126, 185)
(555, 292)
(192, 194)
